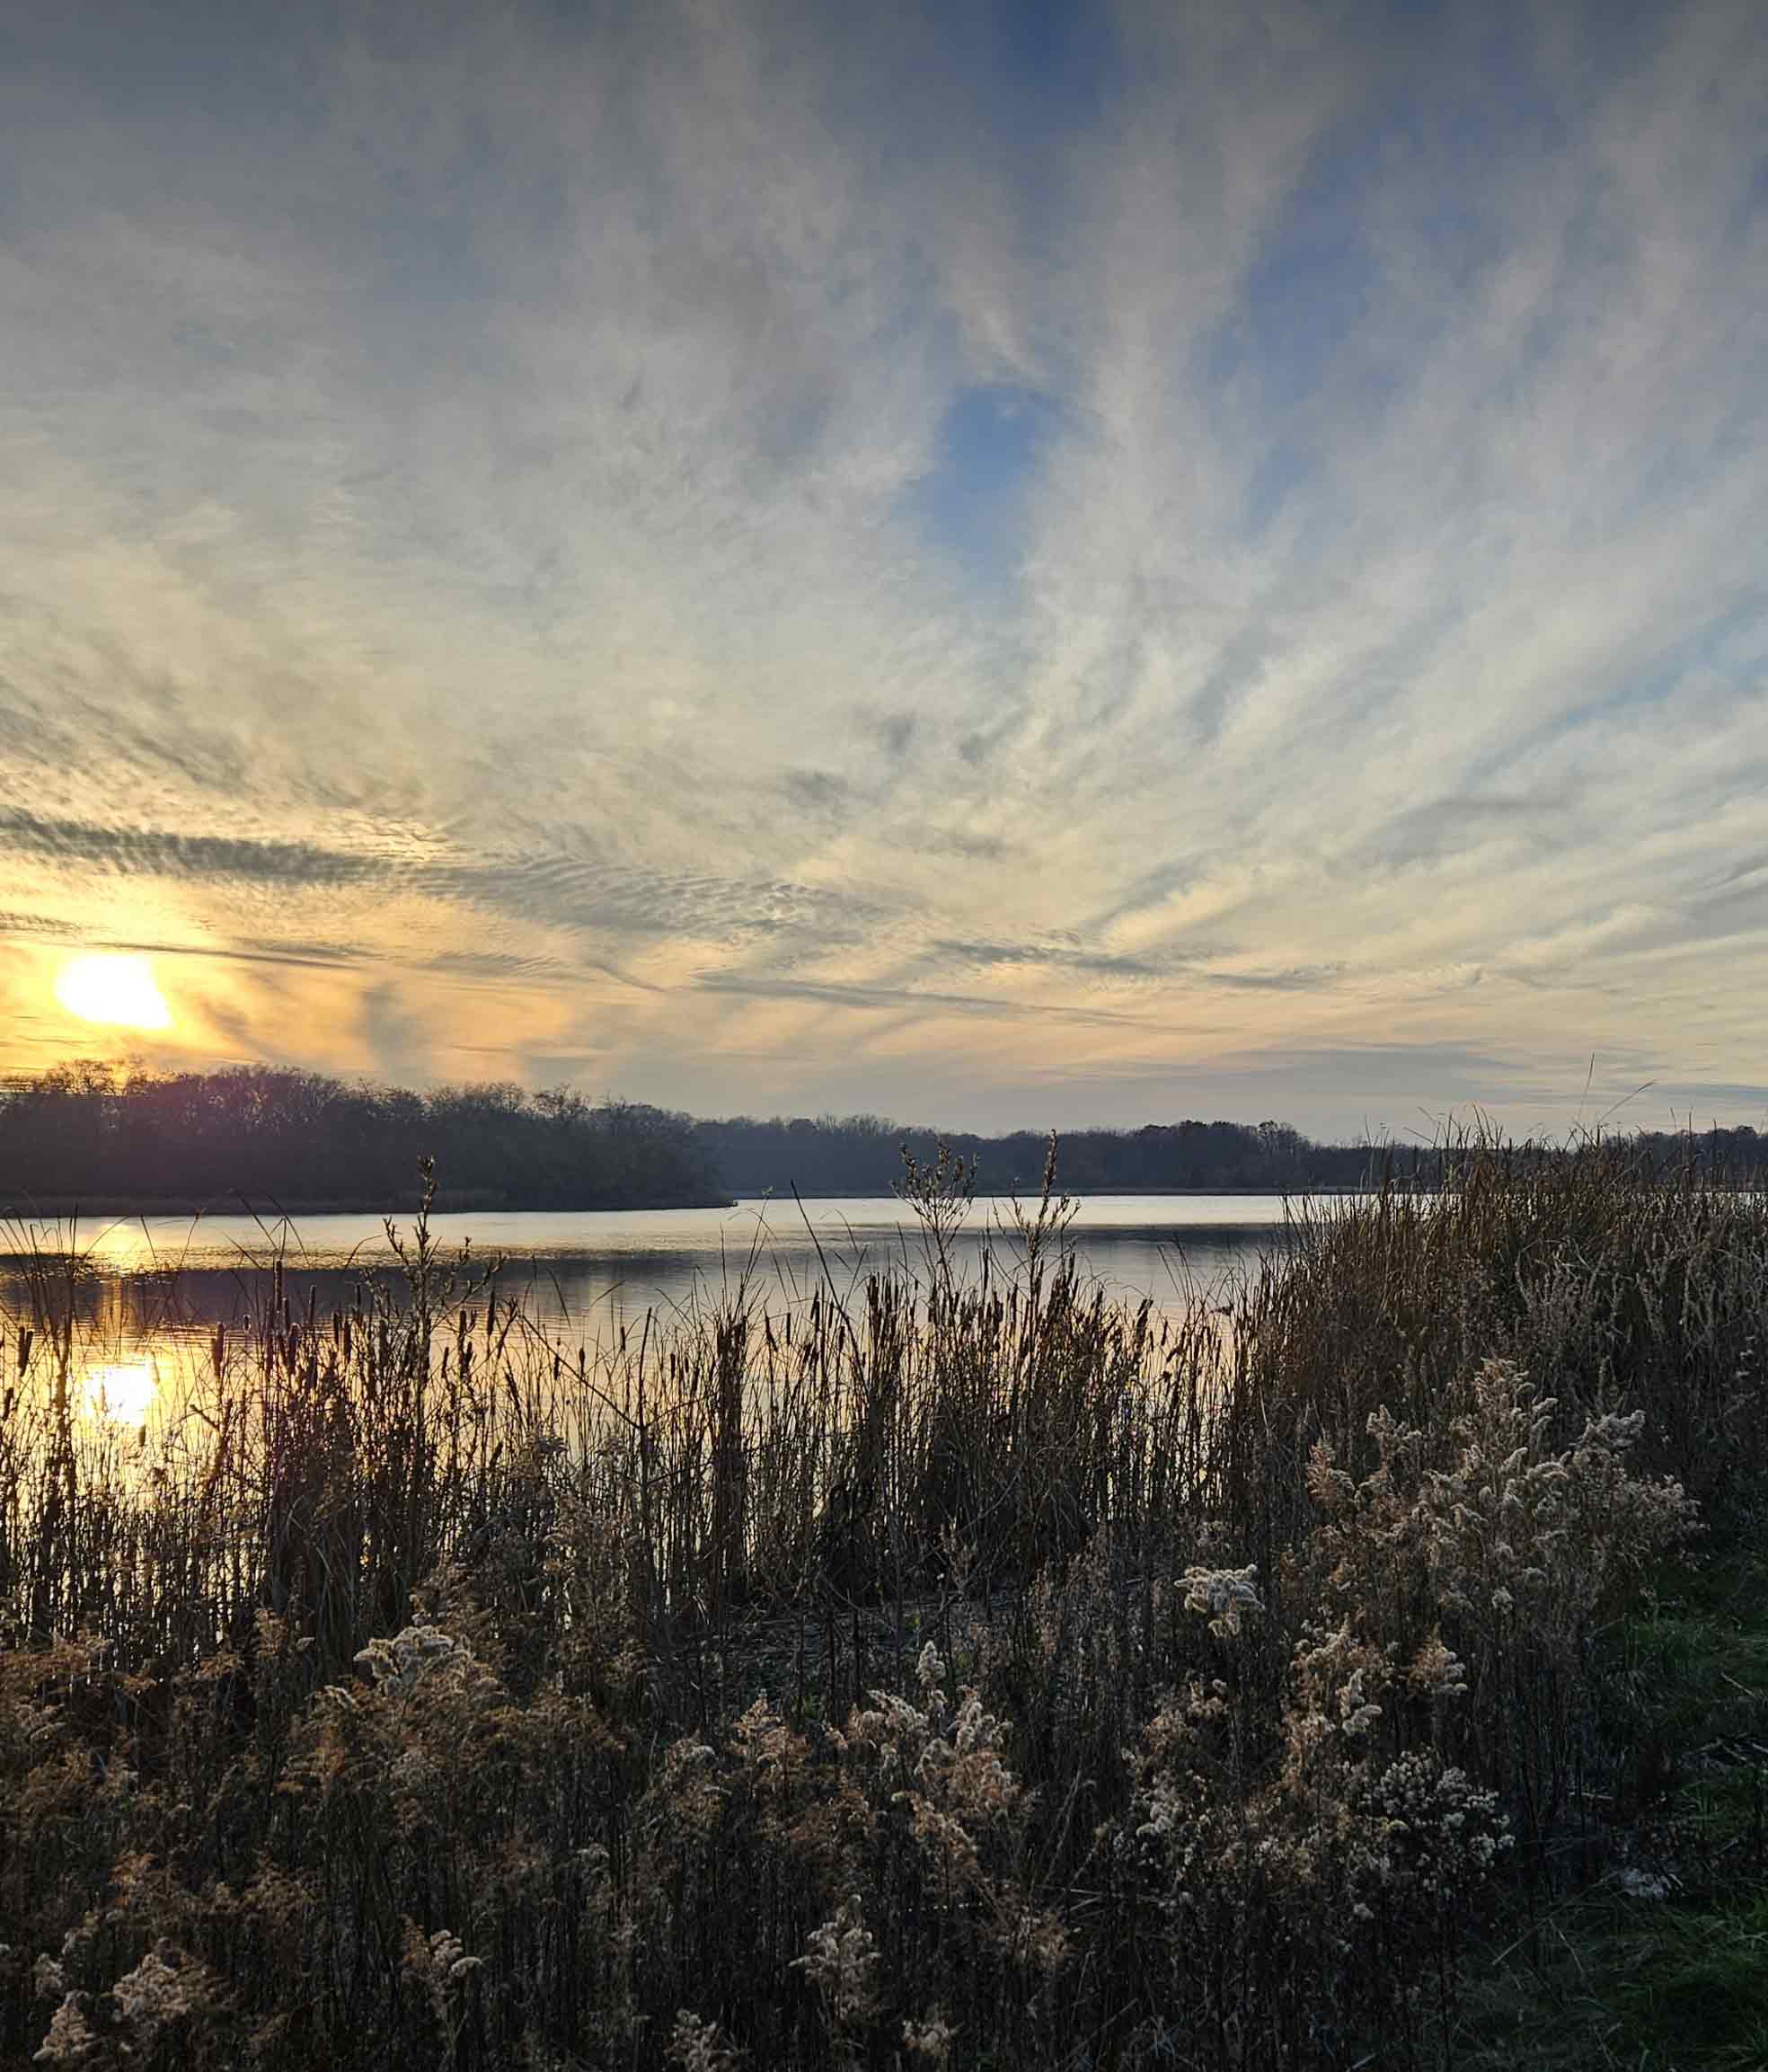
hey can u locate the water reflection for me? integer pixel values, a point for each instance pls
(121, 1392)
(154, 1302)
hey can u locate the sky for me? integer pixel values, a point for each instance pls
(998, 564)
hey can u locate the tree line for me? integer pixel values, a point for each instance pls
(862, 1155)
(85, 1132)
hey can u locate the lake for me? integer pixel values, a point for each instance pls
(158, 1286)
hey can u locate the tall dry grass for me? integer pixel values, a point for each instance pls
(957, 1671)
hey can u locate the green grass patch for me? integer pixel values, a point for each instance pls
(1609, 1980)
(1614, 1977)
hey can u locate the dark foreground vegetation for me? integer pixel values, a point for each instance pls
(88, 1136)
(936, 1674)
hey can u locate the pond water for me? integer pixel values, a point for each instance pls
(154, 1290)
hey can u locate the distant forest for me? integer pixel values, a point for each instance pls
(85, 1134)
(862, 1155)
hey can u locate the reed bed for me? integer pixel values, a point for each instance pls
(941, 1671)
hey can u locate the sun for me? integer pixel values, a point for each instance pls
(110, 987)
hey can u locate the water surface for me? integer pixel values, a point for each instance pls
(154, 1290)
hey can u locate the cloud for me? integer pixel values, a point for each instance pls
(313, 956)
(1228, 534)
(36, 925)
(1052, 956)
(916, 1001)
(564, 888)
(156, 852)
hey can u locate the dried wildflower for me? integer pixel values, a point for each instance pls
(1510, 1535)
(767, 1748)
(70, 2039)
(151, 1995)
(930, 2039)
(412, 1773)
(687, 1792)
(440, 1967)
(1330, 1486)
(699, 2046)
(1340, 1679)
(1439, 1833)
(1435, 1671)
(448, 1957)
(1227, 1594)
(839, 1960)
(400, 1665)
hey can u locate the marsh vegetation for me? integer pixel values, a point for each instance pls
(1363, 1667)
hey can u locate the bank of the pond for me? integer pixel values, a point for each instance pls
(980, 1668)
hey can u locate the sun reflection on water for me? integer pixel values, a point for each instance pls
(122, 1393)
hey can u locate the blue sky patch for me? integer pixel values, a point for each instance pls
(970, 507)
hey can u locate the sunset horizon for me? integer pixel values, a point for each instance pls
(883, 955)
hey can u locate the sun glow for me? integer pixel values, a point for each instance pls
(123, 1394)
(116, 989)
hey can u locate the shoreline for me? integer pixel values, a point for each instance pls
(61, 1208)
(112, 1208)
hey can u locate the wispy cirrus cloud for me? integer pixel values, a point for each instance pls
(1034, 573)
